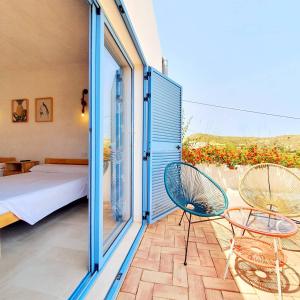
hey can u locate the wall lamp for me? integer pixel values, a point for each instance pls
(83, 101)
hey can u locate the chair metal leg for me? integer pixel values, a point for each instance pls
(187, 241)
(181, 218)
(228, 258)
(246, 224)
(277, 269)
(296, 221)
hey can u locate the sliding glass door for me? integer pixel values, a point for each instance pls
(117, 141)
(111, 140)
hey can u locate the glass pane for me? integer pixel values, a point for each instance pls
(117, 142)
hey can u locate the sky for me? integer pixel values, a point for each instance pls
(237, 53)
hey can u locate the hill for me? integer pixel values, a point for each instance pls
(291, 142)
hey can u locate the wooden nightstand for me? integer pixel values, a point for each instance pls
(17, 167)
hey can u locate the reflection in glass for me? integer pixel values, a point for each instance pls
(117, 142)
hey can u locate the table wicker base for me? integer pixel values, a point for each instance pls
(258, 252)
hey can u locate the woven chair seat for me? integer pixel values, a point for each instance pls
(193, 191)
(272, 187)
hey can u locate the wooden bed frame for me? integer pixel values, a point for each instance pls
(8, 217)
(7, 159)
(67, 161)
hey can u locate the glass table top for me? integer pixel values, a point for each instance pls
(261, 222)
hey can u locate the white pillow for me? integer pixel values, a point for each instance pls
(66, 169)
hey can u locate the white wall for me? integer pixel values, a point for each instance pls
(67, 135)
(143, 19)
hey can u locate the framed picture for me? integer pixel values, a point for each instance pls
(44, 109)
(19, 110)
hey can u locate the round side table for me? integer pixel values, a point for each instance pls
(253, 250)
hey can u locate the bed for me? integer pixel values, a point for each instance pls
(4, 160)
(7, 159)
(48, 187)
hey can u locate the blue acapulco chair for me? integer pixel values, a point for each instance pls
(195, 193)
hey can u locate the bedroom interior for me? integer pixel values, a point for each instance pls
(44, 231)
(44, 182)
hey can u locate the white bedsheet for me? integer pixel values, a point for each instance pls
(33, 196)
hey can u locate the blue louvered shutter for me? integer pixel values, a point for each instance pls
(164, 107)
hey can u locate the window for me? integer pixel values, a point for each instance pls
(117, 158)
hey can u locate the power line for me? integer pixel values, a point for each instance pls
(243, 110)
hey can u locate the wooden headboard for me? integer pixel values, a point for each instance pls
(7, 159)
(67, 161)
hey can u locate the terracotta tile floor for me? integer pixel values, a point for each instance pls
(157, 270)
(255, 283)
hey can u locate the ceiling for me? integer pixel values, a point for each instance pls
(41, 33)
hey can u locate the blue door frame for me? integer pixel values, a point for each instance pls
(97, 260)
(98, 257)
(96, 136)
(95, 41)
